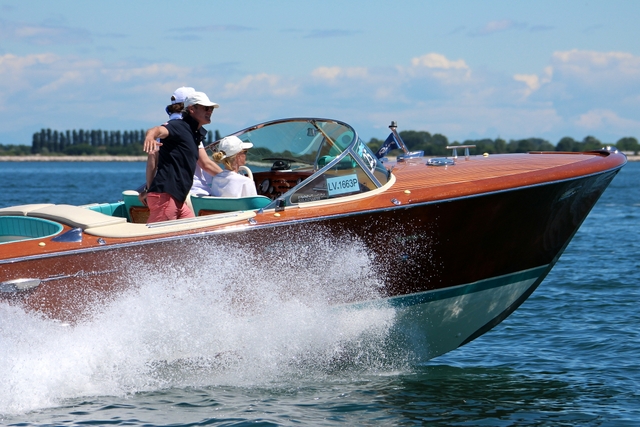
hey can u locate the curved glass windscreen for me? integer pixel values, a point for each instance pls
(298, 141)
(306, 160)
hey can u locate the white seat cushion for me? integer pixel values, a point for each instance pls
(75, 216)
(23, 210)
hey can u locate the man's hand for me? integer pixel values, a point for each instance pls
(143, 197)
(150, 140)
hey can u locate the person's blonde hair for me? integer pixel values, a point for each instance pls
(228, 161)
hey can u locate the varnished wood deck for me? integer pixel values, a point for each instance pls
(415, 174)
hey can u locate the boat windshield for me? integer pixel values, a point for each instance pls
(326, 157)
(300, 142)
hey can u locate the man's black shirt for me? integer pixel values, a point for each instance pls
(178, 157)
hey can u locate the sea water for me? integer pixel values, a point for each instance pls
(179, 351)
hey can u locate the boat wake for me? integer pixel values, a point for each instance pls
(227, 318)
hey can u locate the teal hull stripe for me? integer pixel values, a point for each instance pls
(441, 294)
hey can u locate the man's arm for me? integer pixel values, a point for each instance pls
(152, 165)
(150, 143)
(208, 165)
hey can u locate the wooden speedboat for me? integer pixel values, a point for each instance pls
(458, 243)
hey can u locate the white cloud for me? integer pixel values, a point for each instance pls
(496, 27)
(383, 81)
(438, 66)
(67, 78)
(445, 95)
(64, 78)
(42, 34)
(436, 60)
(533, 81)
(127, 72)
(583, 81)
(327, 73)
(66, 92)
(323, 34)
(599, 69)
(577, 81)
(591, 58)
(596, 119)
(259, 85)
(13, 63)
(16, 72)
(334, 73)
(213, 29)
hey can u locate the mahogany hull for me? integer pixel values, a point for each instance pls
(436, 250)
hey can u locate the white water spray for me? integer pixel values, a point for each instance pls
(227, 318)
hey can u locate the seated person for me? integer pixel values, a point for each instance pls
(232, 152)
(201, 182)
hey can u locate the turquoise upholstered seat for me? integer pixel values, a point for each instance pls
(111, 209)
(227, 204)
(14, 228)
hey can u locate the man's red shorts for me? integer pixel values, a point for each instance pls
(163, 207)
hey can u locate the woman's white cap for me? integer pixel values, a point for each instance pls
(232, 145)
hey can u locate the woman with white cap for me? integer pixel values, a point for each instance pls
(232, 152)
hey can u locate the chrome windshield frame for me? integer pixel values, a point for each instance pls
(351, 150)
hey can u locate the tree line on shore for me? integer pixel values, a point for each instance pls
(435, 145)
(79, 142)
(129, 143)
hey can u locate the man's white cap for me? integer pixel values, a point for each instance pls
(232, 145)
(199, 98)
(181, 94)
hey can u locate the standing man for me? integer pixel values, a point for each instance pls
(174, 110)
(205, 168)
(177, 158)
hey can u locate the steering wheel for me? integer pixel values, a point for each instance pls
(246, 172)
(284, 163)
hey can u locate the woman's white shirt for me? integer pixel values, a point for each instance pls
(201, 182)
(231, 184)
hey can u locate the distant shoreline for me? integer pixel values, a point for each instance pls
(73, 158)
(116, 158)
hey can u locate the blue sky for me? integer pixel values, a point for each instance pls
(465, 69)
